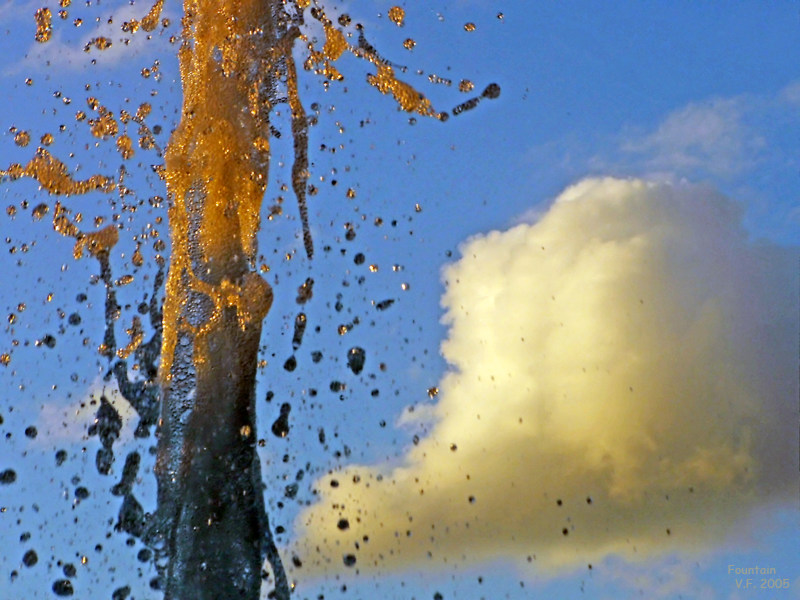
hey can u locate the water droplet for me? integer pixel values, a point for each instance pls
(343, 524)
(280, 428)
(384, 304)
(121, 593)
(349, 560)
(299, 330)
(62, 587)
(397, 15)
(291, 490)
(8, 476)
(22, 138)
(355, 359)
(492, 91)
(40, 210)
(305, 291)
(30, 558)
(31, 432)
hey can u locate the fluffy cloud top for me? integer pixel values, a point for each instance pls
(621, 383)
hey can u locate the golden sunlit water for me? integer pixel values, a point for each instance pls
(236, 65)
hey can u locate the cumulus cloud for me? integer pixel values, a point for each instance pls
(621, 383)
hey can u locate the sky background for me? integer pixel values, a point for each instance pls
(598, 272)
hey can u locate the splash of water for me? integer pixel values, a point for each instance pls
(210, 530)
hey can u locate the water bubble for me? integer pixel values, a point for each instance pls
(343, 524)
(70, 570)
(355, 359)
(31, 432)
(8, 476)
(349, 560)
(61, 456)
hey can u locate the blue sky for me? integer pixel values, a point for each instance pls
(698, 100)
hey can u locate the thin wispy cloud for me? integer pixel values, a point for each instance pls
(708, 136)
(66, 49)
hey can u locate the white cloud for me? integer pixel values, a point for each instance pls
(621, 372)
